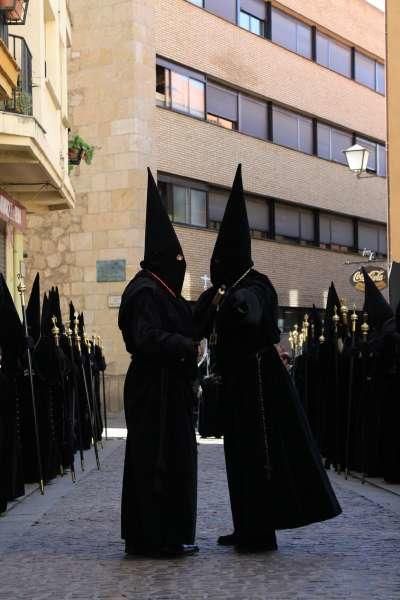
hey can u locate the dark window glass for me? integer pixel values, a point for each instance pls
(368, 236)
(292, 130)
(336, 230)
(222, 8)
(251, 23)
(217, 200)
(258, 214)
(382, 247)
(332, 142)
(222, 103)
(365, 70)
(163, 86)
(291, 33)
(307, 225)
(189, 205)
(294, 222)
(333, 55)
(380, 78)
(253, 117)
(3, 28)
(372, 149)
(381, 159)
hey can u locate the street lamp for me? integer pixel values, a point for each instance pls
(357, 159)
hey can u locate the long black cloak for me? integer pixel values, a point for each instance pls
(159, 486)
(299, 491)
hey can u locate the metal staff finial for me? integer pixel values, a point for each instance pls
(55, 331)
(335, 318)
(354, 319)
(344, 311)
(321, 338)
(365, 327)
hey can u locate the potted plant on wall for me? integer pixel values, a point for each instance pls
(78, 149)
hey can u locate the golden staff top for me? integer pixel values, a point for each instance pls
(354, 319)
(335, 318)
(55, 331)
(365, 327)
(345, 311)
(77, 337)
(321, 338)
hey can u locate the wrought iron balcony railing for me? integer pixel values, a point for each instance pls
(21, 101)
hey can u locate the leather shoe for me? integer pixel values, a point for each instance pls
(227, 540)
(254, 548)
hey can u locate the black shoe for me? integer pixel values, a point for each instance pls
(173, 551)
(178, 551)
(227, 540)
(257, 547)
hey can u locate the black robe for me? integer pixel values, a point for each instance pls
(299, 491)
(160, 473)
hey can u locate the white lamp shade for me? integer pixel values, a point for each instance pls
(357, 158)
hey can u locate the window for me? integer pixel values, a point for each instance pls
(381, 158)
(332, 142)
(336, 231)
(180, 89)
(252, 16)
(222, 106)
(380, 78)
(333, 55)
(258, 215)
(197, 2)
(3, 28)
(253, 117)
(217, 200)
(251, 23)
(292, 130)
(372, 149)
(293, 222)
(365, 70)
(372, 237)
(290, 33)
(222, 8)
(189, 206)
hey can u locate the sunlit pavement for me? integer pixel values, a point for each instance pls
(66, 545)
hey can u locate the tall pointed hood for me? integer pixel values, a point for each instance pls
(45, 325)
(332, 301)
(232, 251)
(378, 309)
(33, 310)
(12, 339)
(163, 253)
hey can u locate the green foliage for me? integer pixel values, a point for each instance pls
(78, 143)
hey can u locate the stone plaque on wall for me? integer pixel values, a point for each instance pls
(111, 270)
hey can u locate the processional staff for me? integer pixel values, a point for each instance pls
(21, 290)
(77, 340)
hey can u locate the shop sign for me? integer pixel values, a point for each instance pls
(11, 211)
(378, 275)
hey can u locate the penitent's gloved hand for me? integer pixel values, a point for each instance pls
(244, 307)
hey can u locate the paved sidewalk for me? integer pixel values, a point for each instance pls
(67, 547)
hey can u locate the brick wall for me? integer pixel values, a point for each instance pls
(198, 39)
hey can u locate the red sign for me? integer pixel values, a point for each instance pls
(11, 211)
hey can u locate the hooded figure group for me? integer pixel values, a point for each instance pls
(275, 475)
(43, 406)
(347, 378)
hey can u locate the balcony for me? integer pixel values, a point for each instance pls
(20, 99)
(9, 70)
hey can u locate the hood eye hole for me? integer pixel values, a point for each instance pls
(179, 257)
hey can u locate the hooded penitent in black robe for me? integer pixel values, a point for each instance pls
(159, 485)
(255, 381)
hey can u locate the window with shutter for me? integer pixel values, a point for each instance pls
(222, 8)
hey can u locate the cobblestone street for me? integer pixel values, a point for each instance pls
(73, 549)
